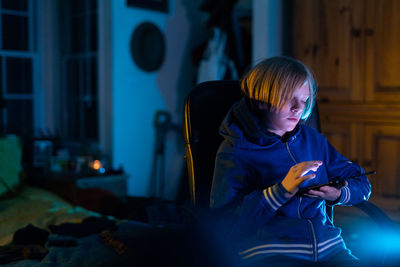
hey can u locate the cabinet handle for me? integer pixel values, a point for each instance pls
(315, 48)
(367, 164)
(355, 32)
(369, 32)
(324, 100)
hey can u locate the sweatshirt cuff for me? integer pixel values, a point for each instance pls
(343, 199)
(275, 196)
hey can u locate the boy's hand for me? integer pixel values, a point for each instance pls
(296, 175)
(326, 192)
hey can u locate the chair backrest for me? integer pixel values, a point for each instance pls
(205, 107)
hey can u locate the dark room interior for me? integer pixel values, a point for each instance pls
(97, 143)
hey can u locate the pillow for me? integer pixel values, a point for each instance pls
(10, 163)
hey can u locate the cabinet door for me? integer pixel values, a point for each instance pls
(343, 136)
(327, 37)
(381, 152)
(382, 52)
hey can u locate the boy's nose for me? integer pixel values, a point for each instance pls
(295, 107)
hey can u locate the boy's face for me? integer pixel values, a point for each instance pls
(286, 119)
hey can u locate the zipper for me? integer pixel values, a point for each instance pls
(291, 155)
(298, 212)
(314, 241)
(298, 208)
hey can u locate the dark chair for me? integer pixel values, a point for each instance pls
(205, 108)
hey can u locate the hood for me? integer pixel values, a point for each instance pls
(244, 129)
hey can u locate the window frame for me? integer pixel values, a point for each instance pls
(31, 53)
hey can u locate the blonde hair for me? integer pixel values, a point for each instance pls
(274, 80)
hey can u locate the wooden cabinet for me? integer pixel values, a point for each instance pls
(383, 154)
(353, 47)
(328, 37)
(343, 136)
(382, 53)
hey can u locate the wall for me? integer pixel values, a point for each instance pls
(137, 95)
(267, 29)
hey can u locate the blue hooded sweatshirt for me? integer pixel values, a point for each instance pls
(250, 166)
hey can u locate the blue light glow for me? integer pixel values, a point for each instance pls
(377, 245)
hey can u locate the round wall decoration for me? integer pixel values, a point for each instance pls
(147, 46)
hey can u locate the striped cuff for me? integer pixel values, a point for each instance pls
(345, 197)
(275, 196)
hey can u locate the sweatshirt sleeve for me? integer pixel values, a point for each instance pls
(232, 188)
(358, 189)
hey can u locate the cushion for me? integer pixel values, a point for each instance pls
(10, 163)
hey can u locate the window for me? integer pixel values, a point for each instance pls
(18, 59)
(79, 60)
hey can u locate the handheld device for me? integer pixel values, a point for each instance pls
(337, 182)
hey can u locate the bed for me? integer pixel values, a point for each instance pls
(123, 243)
(38, 227)
(30, 215)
